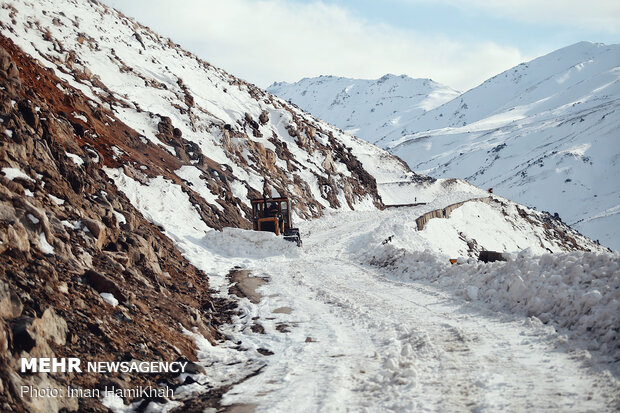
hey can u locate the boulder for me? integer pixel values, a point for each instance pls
(165, 128)
(270, 159)
(23, 339)
(50, 327)
(328, 163)
(32, 334)
(103, 284)
(491, 256)
(248, 118)
(8, 68)
(292, 130)
(144, 254)
(29, 113)
(97, 230)
(10, 304)
(17, 239)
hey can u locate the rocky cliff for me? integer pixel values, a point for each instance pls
(82, 273)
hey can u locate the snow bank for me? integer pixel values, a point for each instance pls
(163, 203)
(578, 292)
(240, 243)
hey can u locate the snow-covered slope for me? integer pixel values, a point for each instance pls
(369, 109)
(544, 133)
(370, 317)
(571, 75)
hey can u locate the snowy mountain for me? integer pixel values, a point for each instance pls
(572, 75)
(126, 169)
(543, 133)
(369, 109)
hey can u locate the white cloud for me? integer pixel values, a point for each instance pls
(274, 40)
(596, 15)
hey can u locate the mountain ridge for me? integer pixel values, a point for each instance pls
(528, 76)
(391, 98)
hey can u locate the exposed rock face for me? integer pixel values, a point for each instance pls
(67, 235)
(232, 131)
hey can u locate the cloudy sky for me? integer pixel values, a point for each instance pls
(456, 42)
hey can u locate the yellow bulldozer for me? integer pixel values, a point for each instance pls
(274, 215)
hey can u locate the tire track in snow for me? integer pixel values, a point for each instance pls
(386, 345)
(437, 354)
(461, 360)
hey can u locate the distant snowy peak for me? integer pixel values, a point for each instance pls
(568, 75)
(544, 133)
(366, 108)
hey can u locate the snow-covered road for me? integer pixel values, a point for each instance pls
(346, 337)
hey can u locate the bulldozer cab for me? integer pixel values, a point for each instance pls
(272, 215)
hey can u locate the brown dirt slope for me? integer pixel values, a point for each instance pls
(67, 234)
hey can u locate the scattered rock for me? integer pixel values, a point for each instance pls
(244, 285)
(283, 328)
(103, 284)
(257, 328)
(265, 352)
(97, 229)
(283, 310)
(10, 304)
